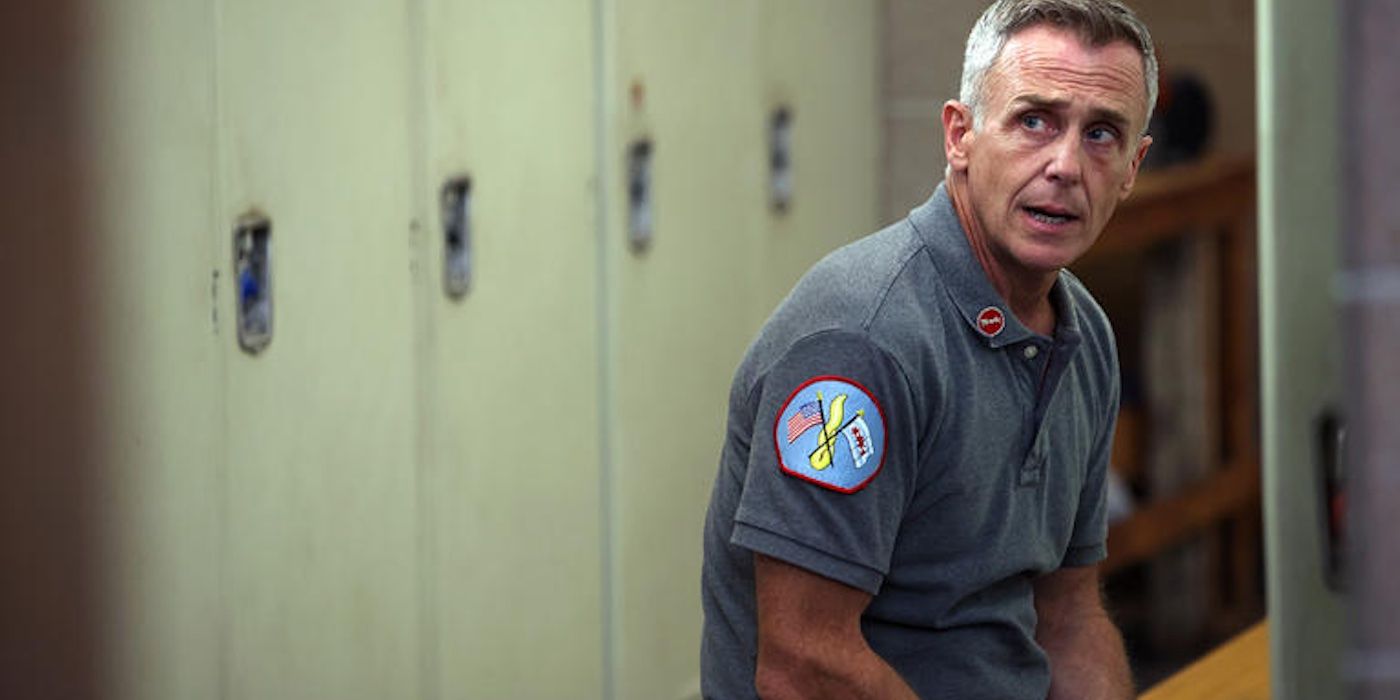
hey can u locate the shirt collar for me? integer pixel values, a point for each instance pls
(967, 284)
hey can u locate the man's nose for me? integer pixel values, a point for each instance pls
(1064, 165)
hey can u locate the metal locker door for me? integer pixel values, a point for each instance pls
(1301, 358)
(510, 348)
(321, 573)
(821, 67)
(685, 158)
(150, 111)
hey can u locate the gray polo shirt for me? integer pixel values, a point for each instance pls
(895, 428)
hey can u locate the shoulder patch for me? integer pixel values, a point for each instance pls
(831, 432)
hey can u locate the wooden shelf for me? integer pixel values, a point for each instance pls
(1163, 524)
(1215, 193)
(1213, 198)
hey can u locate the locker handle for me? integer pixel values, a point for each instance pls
(780, 159)
(252, 264)
(1331, 435)
(457, 236)
(639, 195)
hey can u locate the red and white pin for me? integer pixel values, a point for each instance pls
(991, 321)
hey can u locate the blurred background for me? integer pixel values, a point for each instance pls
(381, 349)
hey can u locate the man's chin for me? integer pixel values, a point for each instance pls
(1048, 259)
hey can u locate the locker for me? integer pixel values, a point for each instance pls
(699, 84)
(509, 379)
(320, 541)
(820, 61)
(1300, 335)
(150, 114)
(682, 75)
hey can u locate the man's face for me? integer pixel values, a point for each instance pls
(1056, 149)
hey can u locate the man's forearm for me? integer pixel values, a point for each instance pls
(1087, 661)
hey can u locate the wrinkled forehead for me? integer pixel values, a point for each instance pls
(1059, 63)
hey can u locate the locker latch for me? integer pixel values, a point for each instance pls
(1331, 433)
(780, 159)
(639, 195)
(252, 264)
(457, 237)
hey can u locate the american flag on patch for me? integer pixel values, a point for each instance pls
(806, 417)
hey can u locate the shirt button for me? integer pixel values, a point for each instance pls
(1030, 352)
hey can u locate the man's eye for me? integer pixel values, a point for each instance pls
(1034, 122)
(1101, 134)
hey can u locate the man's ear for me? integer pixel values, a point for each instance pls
(1133, 167)
(957, 133)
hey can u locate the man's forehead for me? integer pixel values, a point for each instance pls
(1056, 63)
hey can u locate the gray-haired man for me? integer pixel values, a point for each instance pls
(910, 500)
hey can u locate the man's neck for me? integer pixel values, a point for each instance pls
(1026, 292)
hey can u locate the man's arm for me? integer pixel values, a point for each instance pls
(809, 639)
(1087, 661)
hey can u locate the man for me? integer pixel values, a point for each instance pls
(910, 500)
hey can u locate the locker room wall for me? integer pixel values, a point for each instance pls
(406, 494)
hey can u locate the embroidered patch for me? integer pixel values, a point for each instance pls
(990, 321)
(831, 432)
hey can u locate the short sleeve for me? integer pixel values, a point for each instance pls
(1088, 544)
(832, 464)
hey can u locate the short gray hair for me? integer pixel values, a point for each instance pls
(1098, 22)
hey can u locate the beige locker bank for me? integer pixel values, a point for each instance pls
(415, 322)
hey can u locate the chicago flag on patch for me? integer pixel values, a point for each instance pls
(857, 436)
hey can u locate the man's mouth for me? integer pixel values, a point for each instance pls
(1050, 215)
